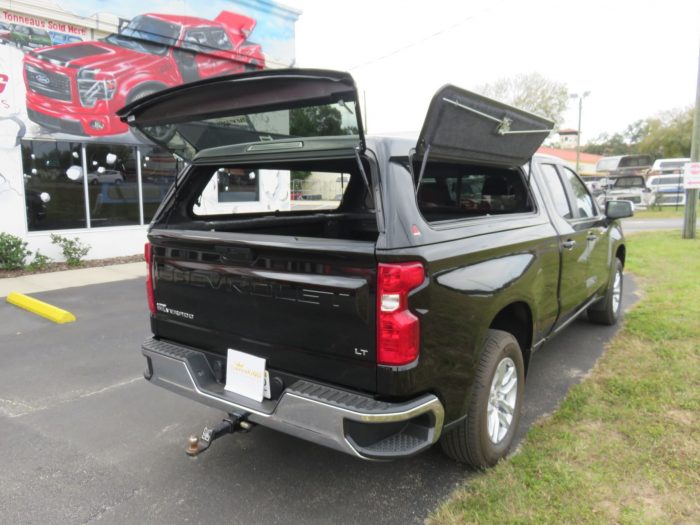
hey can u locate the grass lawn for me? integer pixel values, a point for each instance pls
(625, 445)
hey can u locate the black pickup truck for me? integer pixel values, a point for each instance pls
(398, 307)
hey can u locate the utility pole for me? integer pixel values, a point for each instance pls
(578, 134)
(691, 195)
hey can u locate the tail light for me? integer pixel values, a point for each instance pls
(398, 330)
(148, 255)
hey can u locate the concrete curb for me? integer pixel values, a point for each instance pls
(44, 282)
(35, 306)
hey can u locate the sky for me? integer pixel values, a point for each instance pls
(636, 58)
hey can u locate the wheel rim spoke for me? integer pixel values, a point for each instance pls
(493, 423)
(617, 291)
(506, 408)
(510, 386)
(502, 400)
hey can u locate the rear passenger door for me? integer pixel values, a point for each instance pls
(590, 219)
(573, 239)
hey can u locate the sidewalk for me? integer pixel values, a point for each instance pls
(44, 282)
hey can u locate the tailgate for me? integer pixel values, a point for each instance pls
(305, 305)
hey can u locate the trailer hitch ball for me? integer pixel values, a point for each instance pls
(192, 446)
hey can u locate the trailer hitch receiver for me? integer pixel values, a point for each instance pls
(229, 425)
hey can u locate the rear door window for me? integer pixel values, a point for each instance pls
(584, 202)
(556, 189)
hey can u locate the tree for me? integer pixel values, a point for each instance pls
(531, 92)
(668, 134)
(607, 145)
(316, 121)
(665, 135)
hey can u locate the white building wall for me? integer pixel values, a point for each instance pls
(117, 241)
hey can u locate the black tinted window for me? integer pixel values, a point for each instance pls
(633, 161)
(450, 191)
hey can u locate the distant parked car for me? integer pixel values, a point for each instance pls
(108, 176)
(628, 188)
(100, 177)
(598, 185)
(667, 189)
(668, 166)
(28, 38)
(624, 165)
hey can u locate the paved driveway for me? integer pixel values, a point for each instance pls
(83, 437)
(637, 225)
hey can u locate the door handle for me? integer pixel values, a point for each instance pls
(569, 244)
(592, 237)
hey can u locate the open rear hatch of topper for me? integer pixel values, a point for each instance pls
(464, 126)
(285, 106)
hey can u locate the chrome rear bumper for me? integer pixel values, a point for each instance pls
(352, 423)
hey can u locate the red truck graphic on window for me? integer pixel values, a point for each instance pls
(77, 88)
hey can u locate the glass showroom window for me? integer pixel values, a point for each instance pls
(54, 194)
(158, 171)
(113, 185)
(124, 186)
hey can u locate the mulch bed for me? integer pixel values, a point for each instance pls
(59, 266)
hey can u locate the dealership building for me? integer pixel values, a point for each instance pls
(68, 165)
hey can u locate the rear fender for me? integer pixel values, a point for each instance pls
(490, 287)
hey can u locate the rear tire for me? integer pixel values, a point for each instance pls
(607, 310)
(485, 435)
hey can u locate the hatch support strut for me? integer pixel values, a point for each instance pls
(364, 176)
(422, 168)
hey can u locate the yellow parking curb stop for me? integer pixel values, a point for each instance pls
(50, 312)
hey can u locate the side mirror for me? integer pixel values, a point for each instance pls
(619, 209)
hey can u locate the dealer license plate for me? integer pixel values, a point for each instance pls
(246, 375)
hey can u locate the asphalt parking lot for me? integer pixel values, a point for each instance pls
(84, 438)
